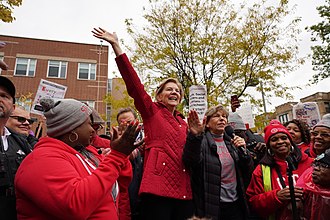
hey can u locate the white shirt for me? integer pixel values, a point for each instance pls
(5, 138)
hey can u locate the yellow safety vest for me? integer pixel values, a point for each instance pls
(267, 181)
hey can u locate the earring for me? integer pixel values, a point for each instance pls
(75, 138)
(292, 148)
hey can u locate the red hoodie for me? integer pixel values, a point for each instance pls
(124, 180)
(54, 182)
(316, 198)
(267, 203)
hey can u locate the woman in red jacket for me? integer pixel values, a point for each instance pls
(316, 184)
(64, 177)
(268, 191)
(165, 188)
(320, 137)
(300, 133)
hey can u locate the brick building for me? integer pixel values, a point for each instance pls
(83, 68)
(284, 112)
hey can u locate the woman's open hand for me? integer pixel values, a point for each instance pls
(126, 142)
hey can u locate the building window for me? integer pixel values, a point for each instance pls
(57, 69)
(283, 118)
(327, 107)
(87, 71)
(25, 67)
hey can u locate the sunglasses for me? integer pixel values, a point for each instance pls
(97, 127)
(22, 119)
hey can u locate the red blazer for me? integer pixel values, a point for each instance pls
(165, 136)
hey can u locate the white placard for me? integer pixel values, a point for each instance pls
(307, 112)
(198, 100)
(245, 111)
(47, 89)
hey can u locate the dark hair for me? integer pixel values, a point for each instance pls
(303, 128)
(124, 110)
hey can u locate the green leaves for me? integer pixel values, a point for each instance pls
(6, 9)
(215, 43)
(321, 53)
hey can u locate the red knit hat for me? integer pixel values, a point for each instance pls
(273, 128)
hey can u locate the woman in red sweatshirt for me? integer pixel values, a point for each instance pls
(64, 177)
(268, 191)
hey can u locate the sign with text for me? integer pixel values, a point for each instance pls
(47, 89)
(245, 111)
(307, 112)
(198, 100)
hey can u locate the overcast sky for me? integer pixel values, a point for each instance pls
(72, 20)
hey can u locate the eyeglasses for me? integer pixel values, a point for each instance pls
(22, 119)
(97, 127)
(322, 135)
(320, 164)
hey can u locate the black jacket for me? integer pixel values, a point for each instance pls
(201, 159)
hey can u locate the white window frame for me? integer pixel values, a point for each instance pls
(89, 71)
(28, 66)
(284, 118)
(61, 64)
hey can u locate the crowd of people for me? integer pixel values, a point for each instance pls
(165, 168)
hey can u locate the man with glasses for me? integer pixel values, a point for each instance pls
(13, 149)
(97, 124)
(21, 122)
(316, 184)
(124, 117)
(320, 138)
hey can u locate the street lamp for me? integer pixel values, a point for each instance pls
(253, 83)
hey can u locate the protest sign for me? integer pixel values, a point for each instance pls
(307, 112)
(245, 111)
(47, 89)
(198, 100)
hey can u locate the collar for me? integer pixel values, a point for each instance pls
(7, 132)
(176, 113)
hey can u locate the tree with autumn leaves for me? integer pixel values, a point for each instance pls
(6, 9)
(226, 47)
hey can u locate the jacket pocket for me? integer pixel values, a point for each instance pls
(160, 161)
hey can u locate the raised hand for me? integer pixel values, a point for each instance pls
(107, 36)
(126, 142)
(196, 127)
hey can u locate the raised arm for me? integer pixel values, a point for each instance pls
(196, 127)
(192, 150)
(135, 88)
(111, 38)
